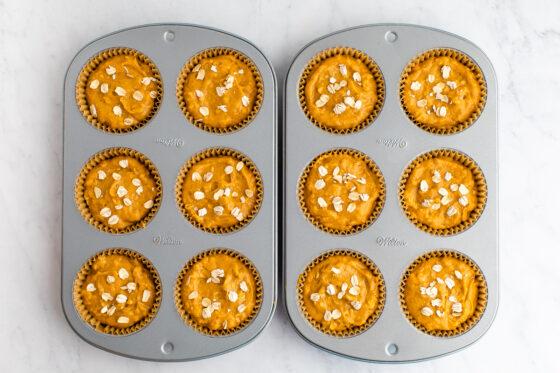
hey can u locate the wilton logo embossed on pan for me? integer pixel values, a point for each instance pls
(177, 142)
(392, 143)
(390, 241)
(166, 239)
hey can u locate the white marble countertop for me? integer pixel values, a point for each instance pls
(37, 42)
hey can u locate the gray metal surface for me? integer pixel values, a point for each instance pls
(169, 241)
(392, 242)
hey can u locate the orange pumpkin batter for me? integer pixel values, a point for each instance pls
(220, 91)
(440, 192)
(219, 191)
(120, 92)
(119, 191)
(219, 292)
(118, 290)
(441, 92)
(340, 292)
(341, 191)
(441, 293)
(340, 92)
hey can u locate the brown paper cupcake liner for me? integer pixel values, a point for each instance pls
(481, 191)
(90, 319)
(215, 152)
(91, 65)
(94, 161)
(353, 331)
(465, 60)
(215, 52)
(482, 294)
(204, 329)
(354, 229)
(377, 76)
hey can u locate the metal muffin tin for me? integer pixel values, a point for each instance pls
(392, 241)
(169, 240)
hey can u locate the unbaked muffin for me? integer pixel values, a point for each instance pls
(341, 191)
(341, 293)
(120, 190)
(443, 192)
(341, 90)
(119, 90)
(443, 92)
(219, 292)
(117, 291)
(220, 90)
(219, 190)
(443, 293)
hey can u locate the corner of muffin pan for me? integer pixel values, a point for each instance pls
(393, 141)
(166, 142)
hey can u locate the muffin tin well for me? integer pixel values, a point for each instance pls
(392, 242)
(168, 240)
